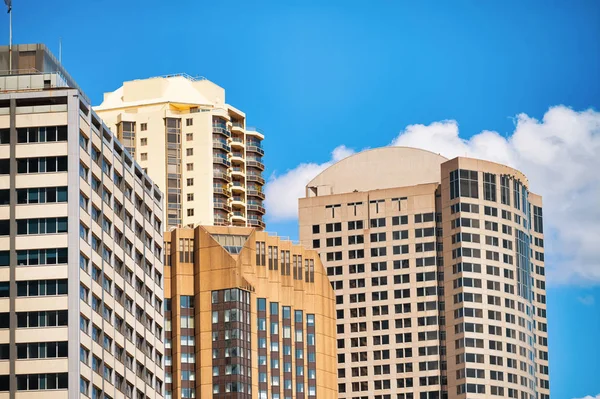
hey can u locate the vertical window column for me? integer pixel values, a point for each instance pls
(299, 352)
(274, 349)
(168, 349)
(287, 351)
(311, 354)
(261, 313)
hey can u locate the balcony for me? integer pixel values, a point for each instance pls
(238, 215)
(222, 176)
(238, 186)
(237, 156)
(222, 130)
(221, 113)
(255, 178)
(219, 221)
(258, 223)
(253, 131)
(221, 145)
(221, 161)
(237, 142)
(256, 149)
(253, 162)
(256, 193)
(222, 190)
(257, 208)
(237, 126)
(238, 201)
(222, 206)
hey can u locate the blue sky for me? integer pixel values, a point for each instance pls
(316, 76)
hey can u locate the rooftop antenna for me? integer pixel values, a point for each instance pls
(9, 5)
(60, 50)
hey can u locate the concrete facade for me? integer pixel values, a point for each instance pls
(438, 268)
(195, 145)
(254, 311)
(81, 238)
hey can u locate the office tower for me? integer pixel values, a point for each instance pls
(194, 145)
(438, 267)
(80, 245)
(249, 315)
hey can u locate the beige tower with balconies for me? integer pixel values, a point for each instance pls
(184, 134)
(438, 267)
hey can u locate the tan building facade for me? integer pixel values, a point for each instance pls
(438, 268)
(81, 237)
(195, 145)
(249, 315)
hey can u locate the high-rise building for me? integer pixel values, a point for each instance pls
(438, 268)
(81, 238)
(249, 315)
(194, 145)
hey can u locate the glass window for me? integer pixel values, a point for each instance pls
(261, 304)
(187, 302)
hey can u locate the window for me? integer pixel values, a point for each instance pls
(34, 288)
(538, 224)
(35, 257)
(143, 127)
(189, 136)
(187, 302)
(189, 121)
(189, 152)
(355, 225)
(144, 156)
(42, 195)
(504, 190)
(44, 134)
(379, 222)
(517, 194)
(463, 183)
(50, 318)
(35, 382)
(41, 226)
(189, 167)
(189, 182)
(424, 217)
(489, 187)
(333, 227)
(190, 212)
(42, 350)
(42, 165)
(5, 136)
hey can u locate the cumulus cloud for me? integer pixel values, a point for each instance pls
(282, 191)
(560, 154)
(561, 157)
(591, 397)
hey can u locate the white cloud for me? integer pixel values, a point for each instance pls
(561, 157)
(282, 192)
(559, 154)
(591, 397)
(587, 300)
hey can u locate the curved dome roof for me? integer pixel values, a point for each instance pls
(377, 169)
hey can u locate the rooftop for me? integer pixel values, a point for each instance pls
(34, 59)
(178, 88)
(377, 169)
